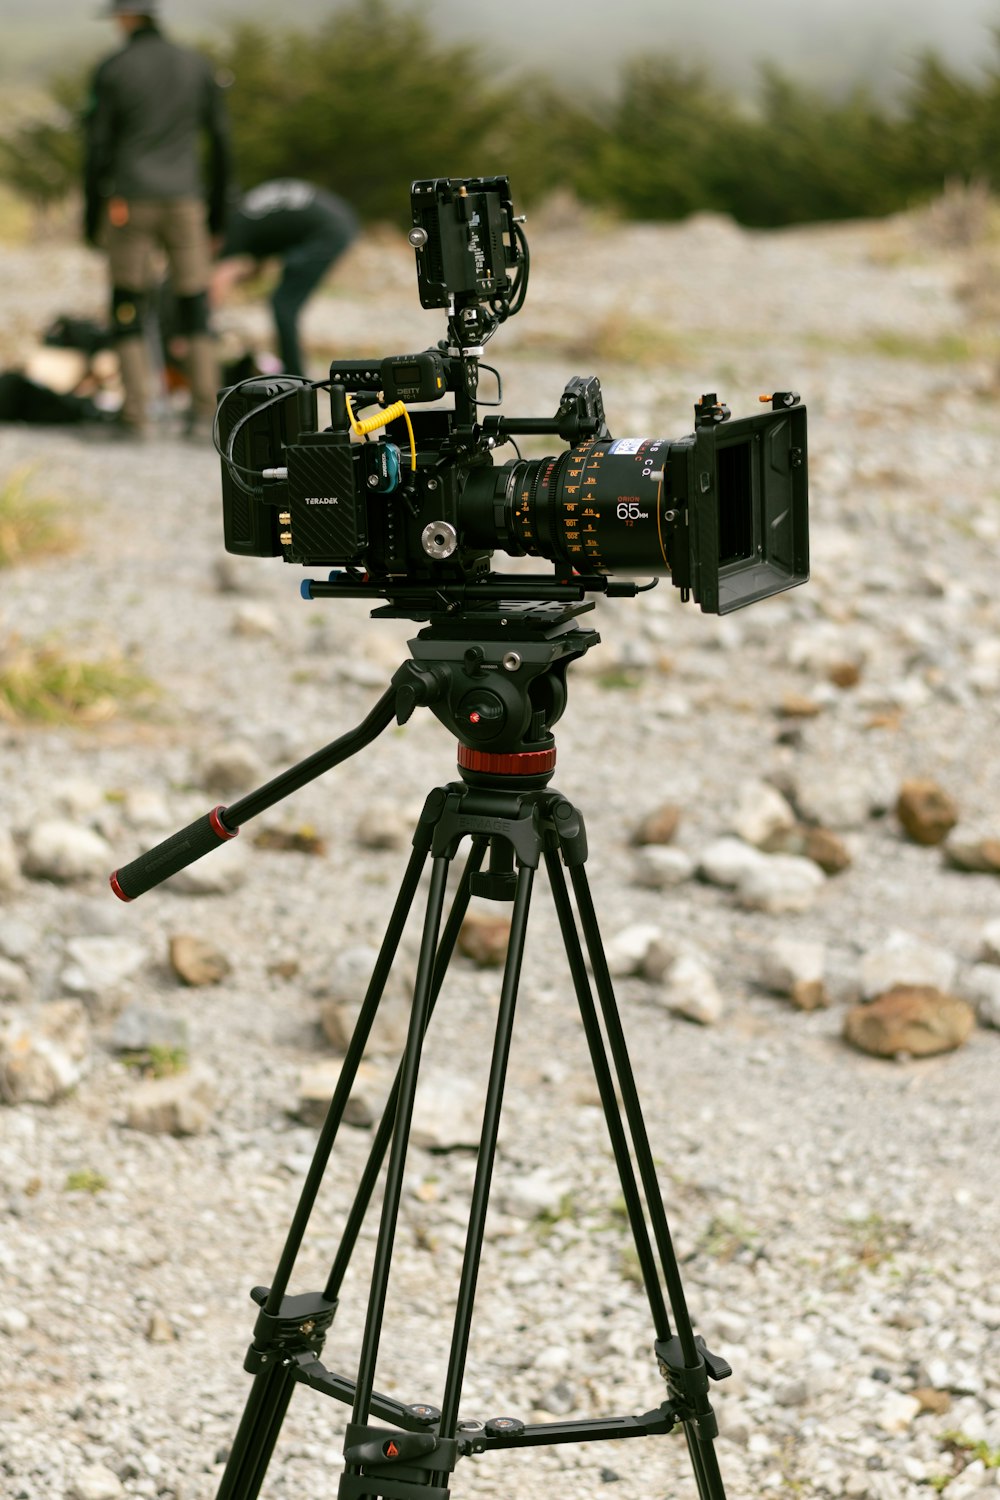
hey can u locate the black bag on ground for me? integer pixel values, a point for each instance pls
(24, 400)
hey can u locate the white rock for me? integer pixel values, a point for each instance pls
(989, 943)
(41, 1055)
(10, 865)
(100, 964)
(838, 798)
(77, 798)
(903, 959)
(96, 1483)
(180, 1104)
(897, 1411)
(791, 961)
(531, 1193)
(233, 766)
(14, 982)
(349, 975)
(216, 874)
(145, 808)
(728, 860)
(781, 883)
(626, 952)
(761, 813)
(659, 866)
(981, 986)
(691, 991)
(368, 1094)
(64, 851)
(447, 1112)
(252, 620)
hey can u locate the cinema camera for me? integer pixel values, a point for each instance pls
(414, 516)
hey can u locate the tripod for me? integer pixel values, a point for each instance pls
(499, 695)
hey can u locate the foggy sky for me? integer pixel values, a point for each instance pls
(834, 42)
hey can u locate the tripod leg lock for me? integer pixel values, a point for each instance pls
(688, 1384)
(299, 1326)
(394, 1464)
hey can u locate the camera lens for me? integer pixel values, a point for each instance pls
(601, 507)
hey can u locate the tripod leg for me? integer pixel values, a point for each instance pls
(487, 1154)
(419, 1016)
(273, 1383)
(383, 1135)
(271, 1392)
(682, 1358)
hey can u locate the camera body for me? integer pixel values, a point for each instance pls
(419, 512)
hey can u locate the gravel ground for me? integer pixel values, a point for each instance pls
(836, 1214)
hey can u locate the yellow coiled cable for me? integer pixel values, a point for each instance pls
(372, 424)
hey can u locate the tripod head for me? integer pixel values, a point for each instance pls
(496, 679)
(494, 675)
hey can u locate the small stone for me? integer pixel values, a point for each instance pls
(827, 850)
(143, 1028)
(180, 1104)
(216, 874)
(146, 808)
(926, 811)
(659, 826)
(160, 1330)
(799, 706)
(254, 621)
(14, 982)
(13, 1321)
(42, 1056)
(904, 960)
(897, 1411)
(318, 1082)
(691, 991)
(100, 966)
(197, 963)
(96, 1483)
(727, 861)
(232, 767)
(844, 674)
(981, 987)
(917, 1020)
(977, 856)
(626, 952)
(483, 938)
(761, 814)
(530, 1194)
(796, 969)
(989, 943)
(383, 825)
(781, 883)
(932, 1400)
(658, 867)
(63, 851)
(10, 865)
(447, 1113)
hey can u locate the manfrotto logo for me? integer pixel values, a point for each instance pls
(322, 500)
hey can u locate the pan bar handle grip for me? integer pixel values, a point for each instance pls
(180, 849)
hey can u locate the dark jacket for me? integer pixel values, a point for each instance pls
(280, 216)
(150, 105)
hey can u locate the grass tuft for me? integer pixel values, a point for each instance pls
(43, 684)
(30, 527)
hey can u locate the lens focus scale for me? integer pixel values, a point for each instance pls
(601, 507)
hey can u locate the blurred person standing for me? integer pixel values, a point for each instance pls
(152, 105)
(304, 227)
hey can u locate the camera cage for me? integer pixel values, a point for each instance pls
(472, 260)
